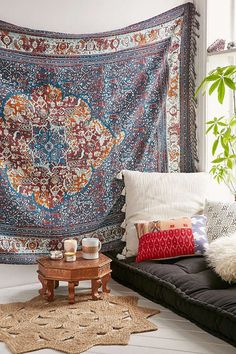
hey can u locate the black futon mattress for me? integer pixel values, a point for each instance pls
(188, 287)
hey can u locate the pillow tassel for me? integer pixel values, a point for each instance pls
(121, 257)
(123, 225)
(119, 175)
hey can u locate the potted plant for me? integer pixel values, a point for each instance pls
(223, 128)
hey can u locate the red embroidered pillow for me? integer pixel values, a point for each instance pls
(166, 244)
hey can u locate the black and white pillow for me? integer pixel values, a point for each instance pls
(221, 219)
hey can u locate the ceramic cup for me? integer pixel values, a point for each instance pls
(91, 248)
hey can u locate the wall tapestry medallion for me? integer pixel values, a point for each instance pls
(50, 145)
(77, 109)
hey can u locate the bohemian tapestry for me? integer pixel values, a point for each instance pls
(77, 109)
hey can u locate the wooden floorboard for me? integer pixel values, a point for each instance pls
(175, 334)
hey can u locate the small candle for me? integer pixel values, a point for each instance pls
(70, 245)
(70, 256)
(56, 255)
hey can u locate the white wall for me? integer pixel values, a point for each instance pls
(81, 16)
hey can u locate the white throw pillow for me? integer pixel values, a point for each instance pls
(221, 256)
(153, 196)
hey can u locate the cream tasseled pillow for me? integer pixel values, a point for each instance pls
(154, 196)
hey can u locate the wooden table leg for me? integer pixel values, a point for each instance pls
(56, 284)
(43, 281)
(105, 280)
(96, 284)
(71, 290)
(50, 290)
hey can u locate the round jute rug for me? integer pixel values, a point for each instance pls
(38, 324)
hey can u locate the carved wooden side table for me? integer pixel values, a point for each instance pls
(50, 272)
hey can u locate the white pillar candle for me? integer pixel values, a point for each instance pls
(70, 245)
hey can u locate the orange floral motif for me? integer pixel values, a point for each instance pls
(173, 86)
(50, 144)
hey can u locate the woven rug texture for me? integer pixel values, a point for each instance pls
(73, 329)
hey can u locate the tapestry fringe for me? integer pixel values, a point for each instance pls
(194, 35)
(123, 208)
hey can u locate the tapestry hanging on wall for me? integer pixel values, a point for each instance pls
(77, 109)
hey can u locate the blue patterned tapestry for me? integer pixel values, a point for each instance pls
(77, 109)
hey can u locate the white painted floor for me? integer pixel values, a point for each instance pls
(175, 334)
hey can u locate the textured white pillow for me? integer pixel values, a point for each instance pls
(221, 219)
(221, 256)
(153, 196)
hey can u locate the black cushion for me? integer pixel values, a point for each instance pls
(188, 287)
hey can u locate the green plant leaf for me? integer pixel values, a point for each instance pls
(225, 146)
(209, 128)
(226, 151)
(200, 87)
(222, 131)
(212, 71)
(230, 83)
(214, 86)
(219, 159)
(230, 164)
(221, 92)
(220, 70)
(215, 129)
(213, 169)
(222, 142)
(227, 134)
(220, 80)
(212, 77)
(214, 146)
(230, 70)
(232, 123)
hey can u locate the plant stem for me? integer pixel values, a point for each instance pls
(233, 188)
(234, 99)
(234, 108)
(230, 186)
(231, 146)
(234, 102)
